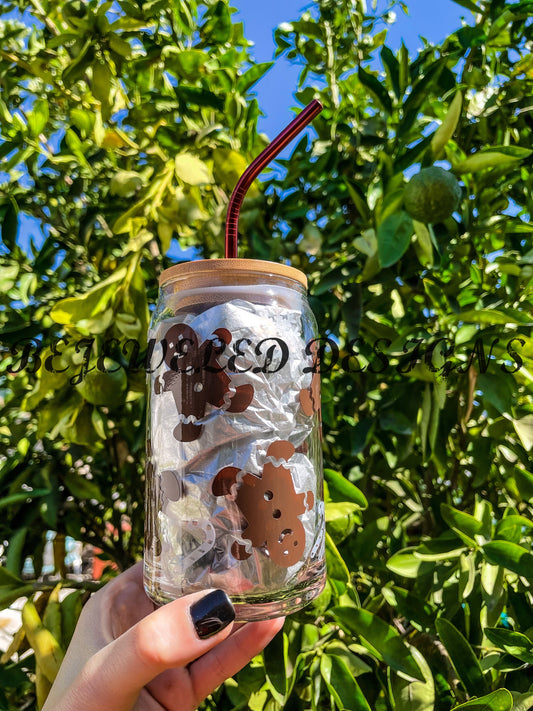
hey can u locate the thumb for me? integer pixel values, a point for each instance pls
(172, 636)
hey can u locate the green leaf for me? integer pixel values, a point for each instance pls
(376, 88)
(192, 170)
(382, 639)
(38, 118)
(83, 120)
(522, 702)
(524, 429)
(82, 488)
(467, 575)
(412, 155)
(76, 69)
(403, 59)
(511, 556)
(445, 131)
(367, 243)
(15, 551)
(21, 497)
(337, 275)
(94, 301)
(119, 46)
(358, 199)
(252, 76)
(188, 62)
(500, 700)
(514, 643)
(497, 390)
(462, 657)
(495, 157)
(420, 614)
(10, 226)
(7, 578)
(524, 482)
(469, 5)
(101, 84)
(8, 277)
(487, 317)
(394, 236)
(461, 522)
(71, 607)
(423, 245)
(408, 565)
(275, 662)
(342, 685)
(521, 608)
(343, 489)
(512, 528)
(414, 695)
(394, 421)
(199, 96)
(471, 36)
(228, 166)
(125, 183)
(418, 95)
(392, 67)
(355, 664)
(218, 27)
(339, 509)
(445, 547)
(337, 568)
(7, 118)
(8, 595)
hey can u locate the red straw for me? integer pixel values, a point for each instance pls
(259, 164)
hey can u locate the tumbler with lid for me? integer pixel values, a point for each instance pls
(234, 457)
(234, 473)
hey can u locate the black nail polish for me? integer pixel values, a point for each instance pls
(212, 613)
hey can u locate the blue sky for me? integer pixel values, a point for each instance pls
(434, 19)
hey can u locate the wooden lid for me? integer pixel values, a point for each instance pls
(229, 267)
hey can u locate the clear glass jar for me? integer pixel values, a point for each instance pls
(234, 488)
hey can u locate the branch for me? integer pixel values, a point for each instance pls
(332, 77)
(91, 585)
(41, 14)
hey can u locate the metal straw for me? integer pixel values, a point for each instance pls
(253, 170)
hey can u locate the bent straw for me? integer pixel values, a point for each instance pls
(259, 164)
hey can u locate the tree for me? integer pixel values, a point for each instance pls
(124, 131)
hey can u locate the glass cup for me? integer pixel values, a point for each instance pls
(234, 487)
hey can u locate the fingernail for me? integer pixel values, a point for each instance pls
(212, 613)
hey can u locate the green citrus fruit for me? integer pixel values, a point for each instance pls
(105, 388)
(432, 195)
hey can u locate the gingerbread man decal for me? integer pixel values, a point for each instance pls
(197, 379)
(270, 507)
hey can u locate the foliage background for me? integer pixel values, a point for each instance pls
(124, 126)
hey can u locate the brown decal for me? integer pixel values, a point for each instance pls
(172, 485)
(310, 397)
(224, 480)
(196, 379)
(271, 507)
(239, 551)
(152, 541)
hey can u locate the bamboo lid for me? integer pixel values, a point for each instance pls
(229, 267)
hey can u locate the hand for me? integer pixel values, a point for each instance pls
(127, 654)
